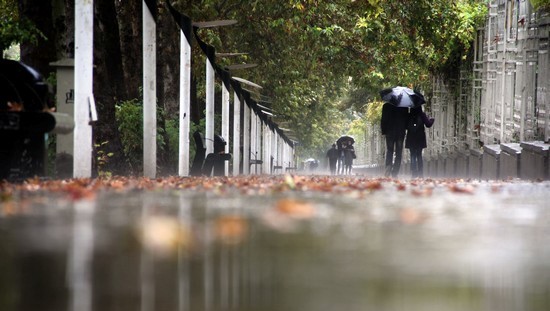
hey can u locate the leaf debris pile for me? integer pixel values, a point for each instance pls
(88, 188)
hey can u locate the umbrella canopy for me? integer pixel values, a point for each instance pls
(402, 97)
(345, 138)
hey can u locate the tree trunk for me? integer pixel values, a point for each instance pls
(41, 54)
(109, 82)
(168, 74)
(168, 62)
(129, 22)
(63, 23)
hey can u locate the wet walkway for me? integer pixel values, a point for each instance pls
(275, 243)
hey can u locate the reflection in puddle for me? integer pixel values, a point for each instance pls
(191, 251)
(80, 256)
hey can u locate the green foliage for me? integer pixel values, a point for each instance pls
(172, 133)
(129, 116)
(374, 112)
(319, 58)
(14, 29)
(102, 158)
(540, 4)
(471, 15)
(357, 127)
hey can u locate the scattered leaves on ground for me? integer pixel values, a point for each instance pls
(354, 186)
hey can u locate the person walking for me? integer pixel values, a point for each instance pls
(393, 126)
(349, 155)
(341, 157)
(416, 139)
(332, 155)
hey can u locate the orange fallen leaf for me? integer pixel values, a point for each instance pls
(164, 235)
(373, 185)
(461, 189)
(426, 192)
(231, 229)
(411, 216)
(295, 208)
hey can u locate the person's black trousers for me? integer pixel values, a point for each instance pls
(394, 146)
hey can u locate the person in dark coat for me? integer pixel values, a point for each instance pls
(416, 139)
(332, 155)
(342, 145)
(394, 126)
(349, 155)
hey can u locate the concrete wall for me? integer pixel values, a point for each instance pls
(534, 160)
(491, 162)
(510, 160)
(527, 160)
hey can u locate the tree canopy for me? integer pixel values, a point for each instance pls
(13, 28)
(319, 58)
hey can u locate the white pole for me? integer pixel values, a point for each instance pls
(253, 140)
(210, 93)
(81, 256)
(274, 147)
(185, 104)
(285, 156)
(83, 87)
(225, 122)
(236, 133)
(289, 155)
(246, 140)
(280, 153)
(149, 95)
(266, 148)
(503, 90)
(184, 266)
(258, 138)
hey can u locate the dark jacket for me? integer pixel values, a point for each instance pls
(332, 154)
(394, 120)
(417, 139)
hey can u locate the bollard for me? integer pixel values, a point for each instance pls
(510, 160)
(534, 160)
(462, 164)
(490, 168)
(475, 163)
(450, 165)
(433, 166)
(441, 161)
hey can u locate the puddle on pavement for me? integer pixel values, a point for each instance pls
(387, 250)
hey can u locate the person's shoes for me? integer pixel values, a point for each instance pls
(387, 173)
(395, 172)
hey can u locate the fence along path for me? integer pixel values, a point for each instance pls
(499, 97)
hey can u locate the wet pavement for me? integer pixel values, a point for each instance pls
(308, 243)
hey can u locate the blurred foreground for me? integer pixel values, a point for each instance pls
(307, 243)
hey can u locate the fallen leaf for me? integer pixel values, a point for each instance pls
(295, 208)
(164, 235)
(461, 189)
(231, 229)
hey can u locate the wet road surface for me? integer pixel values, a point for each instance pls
(275, 243)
